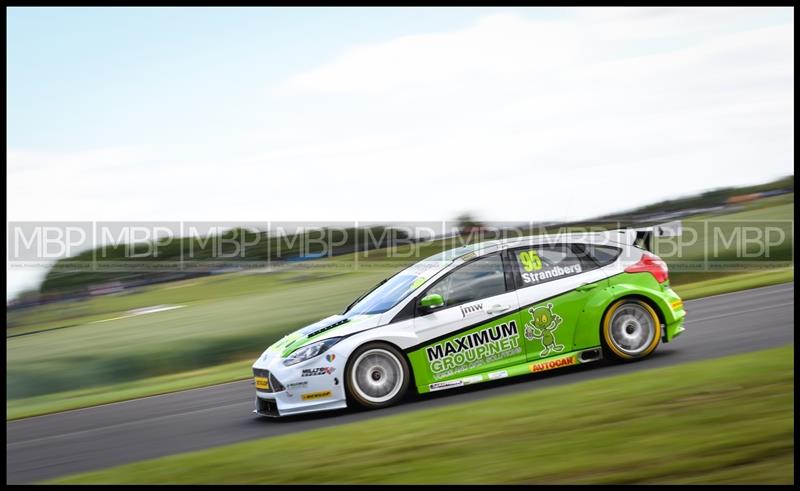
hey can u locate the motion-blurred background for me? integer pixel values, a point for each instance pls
(186, 186)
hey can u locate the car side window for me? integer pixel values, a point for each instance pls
(604, 255)
(587, 260)
(537, 264)
(478, 279)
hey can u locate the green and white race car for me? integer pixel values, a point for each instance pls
(475, 314)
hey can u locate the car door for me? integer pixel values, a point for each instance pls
(476, 330)
(553, 284)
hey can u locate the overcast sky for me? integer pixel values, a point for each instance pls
(389, 114)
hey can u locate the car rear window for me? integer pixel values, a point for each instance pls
(604, 255)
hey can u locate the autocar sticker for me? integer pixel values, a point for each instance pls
(541, 366)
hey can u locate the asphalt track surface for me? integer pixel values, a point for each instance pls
(48, 446)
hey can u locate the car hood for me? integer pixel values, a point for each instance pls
(329, 327)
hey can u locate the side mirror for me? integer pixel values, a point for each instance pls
(431, 301)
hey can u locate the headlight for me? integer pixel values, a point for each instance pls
(310, 351)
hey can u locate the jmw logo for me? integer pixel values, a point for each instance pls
(468, 309)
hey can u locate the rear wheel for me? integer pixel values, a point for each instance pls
(631, 329)
(377, 375)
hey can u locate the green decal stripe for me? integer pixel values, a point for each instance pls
(418, 282)
(303, 341)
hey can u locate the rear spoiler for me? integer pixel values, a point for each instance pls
(643, 236)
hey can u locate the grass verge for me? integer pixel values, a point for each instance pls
(727, 420)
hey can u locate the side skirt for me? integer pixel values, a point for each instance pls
(552, 362)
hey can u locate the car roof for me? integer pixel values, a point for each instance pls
(489, 246)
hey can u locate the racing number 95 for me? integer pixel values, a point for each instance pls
(530, 261)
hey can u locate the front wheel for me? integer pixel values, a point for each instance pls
(377, 376)
(631, 329)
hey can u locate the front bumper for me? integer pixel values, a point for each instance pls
(310, 386)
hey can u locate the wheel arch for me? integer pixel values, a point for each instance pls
(638, 296)
(631, 296)
(590, 331)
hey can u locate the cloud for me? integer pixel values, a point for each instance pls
(497, 47)
(529, 119)
(504, 48)
(515, 118)
(21, 160)
(72, 185)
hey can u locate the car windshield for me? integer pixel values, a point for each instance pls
(395, 289)
(385, 296)
(398, 287)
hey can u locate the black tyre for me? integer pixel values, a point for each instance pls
(630, 330)
(377, 376)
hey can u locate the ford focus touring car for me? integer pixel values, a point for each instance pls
(475, 314)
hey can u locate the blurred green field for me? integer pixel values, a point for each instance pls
(59, 356)
(728, 420)
(203, 333)
(707, 250)
(733, 283)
